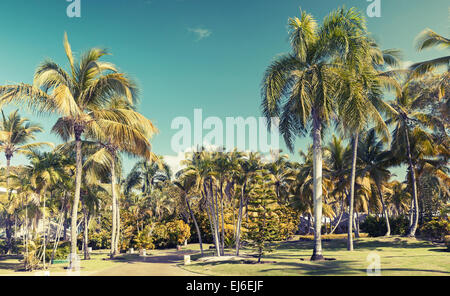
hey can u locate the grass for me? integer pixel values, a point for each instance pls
(10, 264)
(399, 257)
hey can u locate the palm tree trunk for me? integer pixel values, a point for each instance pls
(114, 211)
(87, 256)
(339, 220)
(215, 218)
(317, 194)
(117, 225)
(385, 213)
(195, 223)
(239, 222)
(415, 220)
(222, 218)
(76, 200)
(352, 193)
(45, 234)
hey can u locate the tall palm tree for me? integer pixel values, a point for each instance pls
(362, 104)
(410, 134)
(127, 131)
(309, 78)
(79, 97)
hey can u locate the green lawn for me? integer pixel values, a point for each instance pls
(10, 264)
(399, 257)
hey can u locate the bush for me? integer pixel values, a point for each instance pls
(376, 226)
(99, 240)
(16, 246)
(436, 229)
(144, 239)
(62, 251)
(178, 232)
(160, 236)
(447, 242)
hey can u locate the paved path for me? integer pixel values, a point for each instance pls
(164, 264)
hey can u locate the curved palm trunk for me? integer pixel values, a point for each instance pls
(239, 222)
(317, 194)
(385, 213)
(340, 217)
(76, 201)
(415, 211)
(352, 193)
(195, 223)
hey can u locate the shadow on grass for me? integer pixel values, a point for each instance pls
(371, 244)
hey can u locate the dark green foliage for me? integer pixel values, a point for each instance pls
(376, 226)
(436, 229)
(62, 252)
(262, 226)
(99, 240)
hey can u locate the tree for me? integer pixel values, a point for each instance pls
(428, 39)
(374, 162)
(410, 135)
(308, 78)
(15, 133)
(262, 225)
(79, 97)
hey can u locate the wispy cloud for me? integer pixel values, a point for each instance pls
(200, 33)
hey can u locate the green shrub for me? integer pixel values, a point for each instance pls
(144, 239)
(16, 246)
(178, 232)
(160, 236)
(376, 226)
(99, 240)
(62, 252)
(435, 229)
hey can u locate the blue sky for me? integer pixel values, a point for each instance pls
(187, 54)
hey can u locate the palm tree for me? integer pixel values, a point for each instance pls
(15, 133)
(410, 135)
(373, 162)
(309, 78)
(187, 185)
(123, 130)
(79, 97)
(47, 169)
(429, 39)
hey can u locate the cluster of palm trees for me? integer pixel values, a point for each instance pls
(337, 74)
(96, 107)
(336, 78)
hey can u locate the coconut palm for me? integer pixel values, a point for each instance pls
(187, 185)
(79, 97)
(429, 39)
(15, 133)
(123, 130)
(411, 126)
(373, 163)
(309, 78)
